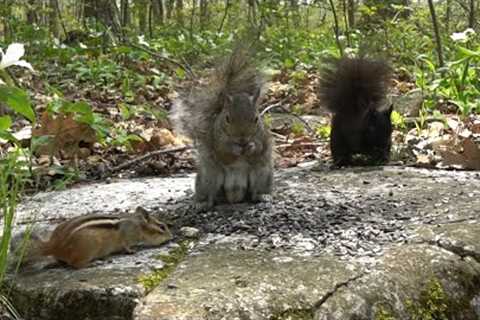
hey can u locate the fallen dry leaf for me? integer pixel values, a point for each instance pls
(466, 157)
(65, 136)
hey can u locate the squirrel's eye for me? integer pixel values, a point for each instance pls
(227, 119)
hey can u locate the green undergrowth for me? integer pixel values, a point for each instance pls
(432, 303)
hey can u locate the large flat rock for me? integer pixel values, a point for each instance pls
(375, 243)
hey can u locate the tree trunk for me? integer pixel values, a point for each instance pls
(252, 12)
(225, 13)
(447, 16)
(157, 7)
(336, 28)
(437, 33)
(52, 18)
(105, 12)
(32, 12)
(471, 16)
(170, 4)
(192, 19)
(142, 12)
(345, 21)
(124, 11)
(179, 11)
(203, 12)
(351, 13)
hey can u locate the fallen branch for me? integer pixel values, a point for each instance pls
(144, 157)
(280, 106)
(159, 56)
(299, 145)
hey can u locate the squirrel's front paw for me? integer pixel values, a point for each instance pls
(202, 206)
(261, 198)
(250, 148)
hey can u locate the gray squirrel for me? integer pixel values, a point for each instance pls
(234, 149)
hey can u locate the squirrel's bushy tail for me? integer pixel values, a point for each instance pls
(193, 111)
(354, 85)
(27, 248)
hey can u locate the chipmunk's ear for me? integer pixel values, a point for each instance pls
(142, 212)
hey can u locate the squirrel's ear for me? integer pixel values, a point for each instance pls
(255, 95)
(389, 111)
(226, 99)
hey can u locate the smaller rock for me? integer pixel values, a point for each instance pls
(190, 232)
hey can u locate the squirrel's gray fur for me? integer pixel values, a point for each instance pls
(234, 151)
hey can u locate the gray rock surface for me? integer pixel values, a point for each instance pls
(364, 243)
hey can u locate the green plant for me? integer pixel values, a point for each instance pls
(298, 128)
(432, 303)
(398, 120)
(323, 131)
(12, 177)
(171, 260)
(13, 166)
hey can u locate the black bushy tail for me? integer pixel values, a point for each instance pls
(354, 85)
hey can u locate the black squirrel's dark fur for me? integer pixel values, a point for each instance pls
(354, 90)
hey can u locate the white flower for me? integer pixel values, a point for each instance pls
(462, 36)
(12, 57)
(141, 40)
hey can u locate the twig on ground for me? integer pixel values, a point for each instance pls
(157, 55)
(280, 106)
(299, 145)
(144, 157)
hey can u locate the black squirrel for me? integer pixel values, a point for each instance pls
(234, 149)
(354, 90)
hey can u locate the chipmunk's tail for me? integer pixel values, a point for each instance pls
(27, 248)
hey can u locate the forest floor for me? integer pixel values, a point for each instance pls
(132, 137)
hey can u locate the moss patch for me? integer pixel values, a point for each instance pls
(432, 303)
(171, 260)
(383, 313)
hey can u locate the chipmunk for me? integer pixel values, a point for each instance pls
(81, 240)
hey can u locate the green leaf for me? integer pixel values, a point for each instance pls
(40, 141)
(125, 111)
(398, 120)
(5, 123)
(289, 63)
(180, 73)
(5, 135)
(78, 107)
(464, 52)
(18, 101)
